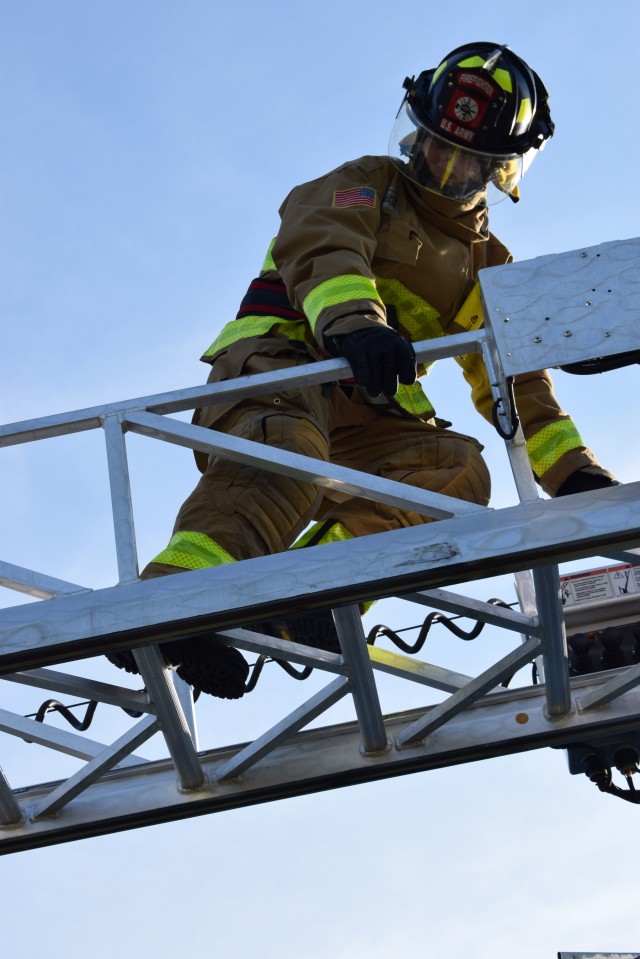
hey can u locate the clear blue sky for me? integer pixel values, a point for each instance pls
(146, 146)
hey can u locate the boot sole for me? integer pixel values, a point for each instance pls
(206, 664)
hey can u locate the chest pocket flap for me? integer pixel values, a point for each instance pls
(399, 240)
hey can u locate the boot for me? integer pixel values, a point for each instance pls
(314, 628)
(206, 664)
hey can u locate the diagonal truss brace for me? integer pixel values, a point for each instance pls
(471, 692)
(107, 759)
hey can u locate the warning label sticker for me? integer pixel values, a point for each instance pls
(596, 585)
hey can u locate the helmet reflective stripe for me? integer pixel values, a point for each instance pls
(190, 550)
(502, 77)
(525, 111)
(550, 443)
(438, 70)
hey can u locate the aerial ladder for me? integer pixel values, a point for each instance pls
(580, 633)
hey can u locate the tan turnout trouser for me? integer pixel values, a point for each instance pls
(252, 512)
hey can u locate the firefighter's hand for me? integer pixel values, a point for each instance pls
(379, 358)
(582, 481)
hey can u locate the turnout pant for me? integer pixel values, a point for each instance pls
(237, 511)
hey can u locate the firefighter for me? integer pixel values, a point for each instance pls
(378, 253)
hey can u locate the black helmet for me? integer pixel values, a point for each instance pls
(489, 104)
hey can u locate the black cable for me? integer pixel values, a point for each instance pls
(432, 618)
(386, 631)
(630, 795)
(291, 670)
(52, 705)
(254, 676)
(599, 773)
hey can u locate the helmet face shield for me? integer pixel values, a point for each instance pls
(452, 170)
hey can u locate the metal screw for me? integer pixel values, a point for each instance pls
(537, 339)
(584, 255)
(567, 333)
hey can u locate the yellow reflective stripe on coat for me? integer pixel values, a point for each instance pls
(339, 289)
(248, 326)
(336, 533)
(550, 443)
(193, 551)
(269, 263)
(422, 322)
(333, 533)
(419, 318)
(414, 400)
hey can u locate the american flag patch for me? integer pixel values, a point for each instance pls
(359, 196)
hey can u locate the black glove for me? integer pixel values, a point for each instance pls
(378, 357)
(581, 482)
